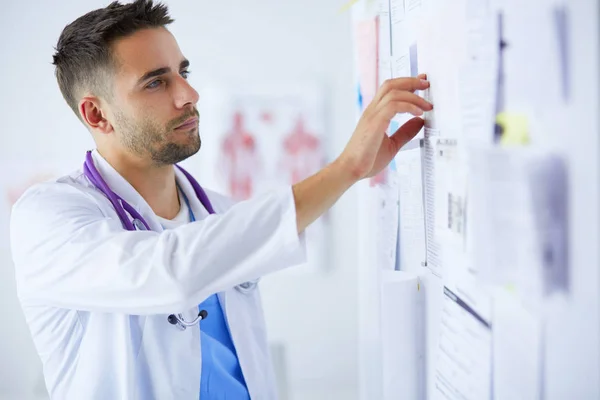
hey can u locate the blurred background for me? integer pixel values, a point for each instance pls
(279, 69)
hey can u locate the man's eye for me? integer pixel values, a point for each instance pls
(154, 84)
(185, 74)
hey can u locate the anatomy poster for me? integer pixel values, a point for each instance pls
(269, 139)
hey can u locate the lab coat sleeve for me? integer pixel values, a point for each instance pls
(69, 254)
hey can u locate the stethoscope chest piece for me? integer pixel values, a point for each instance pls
(180, 322)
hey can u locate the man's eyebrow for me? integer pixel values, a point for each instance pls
(153, 73)
(161, 71)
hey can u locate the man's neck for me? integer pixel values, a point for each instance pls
(156, 184)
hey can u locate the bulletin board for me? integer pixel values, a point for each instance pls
(478, 260)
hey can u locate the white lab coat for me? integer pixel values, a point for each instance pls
(96, 297)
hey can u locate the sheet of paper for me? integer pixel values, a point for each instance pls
(405, 17)
(479, 80)
(519, 203)
(413, 6)
(517, 350)
(411, 238)
(397, 11)
(439, 53)
(464, 354)
(503, 232)
(433, 207)
(385, 42)
(400, 31)
(449, 193)
(386, 193)
(401, 335)
(527, 91)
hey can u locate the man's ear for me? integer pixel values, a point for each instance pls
(93, 115)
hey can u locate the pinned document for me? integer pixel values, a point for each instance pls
(517, 350)
(464, 354)
(432, 206)
(402, 336)
(411, 238)
(519, 203)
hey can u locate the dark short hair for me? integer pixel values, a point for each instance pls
(83, 55)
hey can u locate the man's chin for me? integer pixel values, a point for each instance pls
(174, 153)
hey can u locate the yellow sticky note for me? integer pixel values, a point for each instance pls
(510, 287)
(515, 128)
(348, 5)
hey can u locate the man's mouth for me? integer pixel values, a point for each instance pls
(188, 124)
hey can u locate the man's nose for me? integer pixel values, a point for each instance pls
(185, 94)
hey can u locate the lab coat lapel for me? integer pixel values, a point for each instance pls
(123, 188)
(197, 208)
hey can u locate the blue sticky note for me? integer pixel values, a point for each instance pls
(359, 97)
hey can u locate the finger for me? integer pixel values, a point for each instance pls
(406, 132)
(422, 76)
(406, 84)
(398, 107)
(400, 95)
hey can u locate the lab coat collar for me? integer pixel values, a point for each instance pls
(123, 188)
(197, 208)
(118, 184)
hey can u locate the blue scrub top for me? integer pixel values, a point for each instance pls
(221, 377)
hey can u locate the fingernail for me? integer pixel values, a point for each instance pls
(424, 82)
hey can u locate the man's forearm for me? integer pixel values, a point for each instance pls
(316, 194)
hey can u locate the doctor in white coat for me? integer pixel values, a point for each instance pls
(115, 261)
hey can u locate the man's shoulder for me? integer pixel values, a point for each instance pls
(65, 187)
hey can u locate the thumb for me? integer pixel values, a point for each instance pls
(406, 132)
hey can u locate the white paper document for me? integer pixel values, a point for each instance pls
(387, 220)
(399, 45)
(411, 237)
(413, 6)
(519, 210)
(517, 350)
(397, 11)
(384, 42)
(434, 207)
(480, 80)
(405, 16)
(401, 335)
(464, 357)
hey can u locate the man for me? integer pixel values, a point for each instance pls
(110, 299)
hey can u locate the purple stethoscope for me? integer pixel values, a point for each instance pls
(139, 223)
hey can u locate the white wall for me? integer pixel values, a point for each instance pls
(228, 42)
